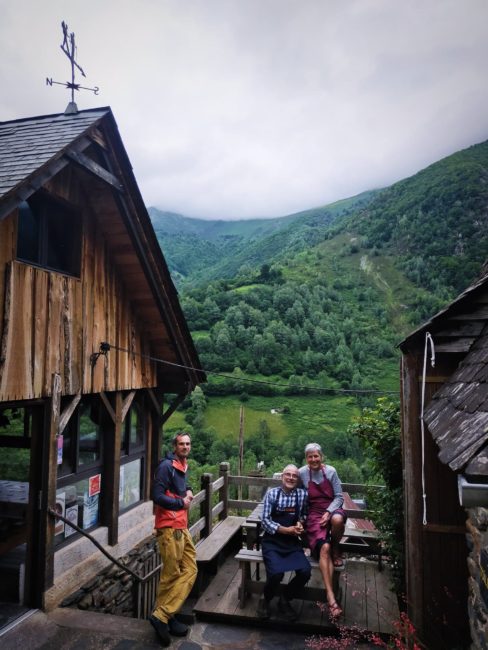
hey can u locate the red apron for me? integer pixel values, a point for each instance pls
(319, 499)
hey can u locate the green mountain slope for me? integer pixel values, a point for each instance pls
(208, 249)
(324, 295)
(318, 302)
(435, 223)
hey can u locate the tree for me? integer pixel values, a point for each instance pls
(378, 428)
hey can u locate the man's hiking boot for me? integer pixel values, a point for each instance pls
(176, 628)
(162, 630)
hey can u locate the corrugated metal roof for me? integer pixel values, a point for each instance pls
(27, 145)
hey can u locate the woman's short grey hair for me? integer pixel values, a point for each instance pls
(313, 446)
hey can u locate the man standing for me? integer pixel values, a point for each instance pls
(172, 497)
(284, 511)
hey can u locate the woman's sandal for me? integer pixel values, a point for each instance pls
(334, 610)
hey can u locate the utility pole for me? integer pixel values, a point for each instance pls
(241, 449)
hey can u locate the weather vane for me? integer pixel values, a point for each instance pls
(69, 48)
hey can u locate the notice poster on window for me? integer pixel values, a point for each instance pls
(71, 514)
(60, 509)
(59, 440)
(94, 485)
(90, 511)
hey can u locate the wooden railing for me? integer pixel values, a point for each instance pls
(209, 511)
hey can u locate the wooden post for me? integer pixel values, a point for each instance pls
(48, 494)
(412, 480)
(112, 478)
(224, 490)
(206, 505)
(241, 451)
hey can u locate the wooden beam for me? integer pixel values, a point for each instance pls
(172, 407)
(68, 412)
(446, 529)
(158, 405)
(127, 403)
(94, 169)
(108, 406)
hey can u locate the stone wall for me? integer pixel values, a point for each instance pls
(112, 590)
(78, 562)
(478, 576)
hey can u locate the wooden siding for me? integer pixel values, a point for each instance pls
(53, 323)
(436, 553)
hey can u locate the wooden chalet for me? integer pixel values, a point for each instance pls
(80, 425)
(445, 601)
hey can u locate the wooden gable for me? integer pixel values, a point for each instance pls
(54, 322)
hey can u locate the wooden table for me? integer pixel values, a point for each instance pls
(360, 535)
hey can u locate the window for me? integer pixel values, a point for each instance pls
(49, 234)
(80, 468)
(132, 454)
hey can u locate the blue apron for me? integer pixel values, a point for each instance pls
(283, 553)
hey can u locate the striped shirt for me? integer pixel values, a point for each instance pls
(278, 497)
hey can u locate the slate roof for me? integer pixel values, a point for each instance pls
(26, 146)
(457, 415)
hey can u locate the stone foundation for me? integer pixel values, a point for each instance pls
(77, 563)
(478, 577)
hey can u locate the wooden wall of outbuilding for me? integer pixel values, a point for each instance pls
(436, 552)
(53, 323)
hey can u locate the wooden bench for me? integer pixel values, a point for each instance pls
(250, 586)
(210, 548)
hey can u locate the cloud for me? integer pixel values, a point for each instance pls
(232, 108)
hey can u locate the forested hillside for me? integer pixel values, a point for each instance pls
(198, 249)
(311, 306)
(435, 223)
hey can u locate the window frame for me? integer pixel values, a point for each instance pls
(132, 451)
(47, 209)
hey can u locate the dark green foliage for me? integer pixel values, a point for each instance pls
(378, 429)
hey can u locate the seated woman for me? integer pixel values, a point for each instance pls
(326, 519)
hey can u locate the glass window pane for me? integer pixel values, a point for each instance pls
(67, 461)
(28, 233)
(75, 503)
(89, 440)
(136, 434)
(130, 483)
(63, 239)
(14, 464)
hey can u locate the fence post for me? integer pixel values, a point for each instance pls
(224, 469)
(206, 505)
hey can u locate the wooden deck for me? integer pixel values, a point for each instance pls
(366, 599)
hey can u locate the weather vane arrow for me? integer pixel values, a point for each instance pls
(69, 48)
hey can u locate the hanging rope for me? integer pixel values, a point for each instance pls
(428, 340)
(106, 347)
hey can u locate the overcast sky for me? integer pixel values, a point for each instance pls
(250, 108)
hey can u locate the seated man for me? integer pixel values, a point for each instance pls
(285, 508)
